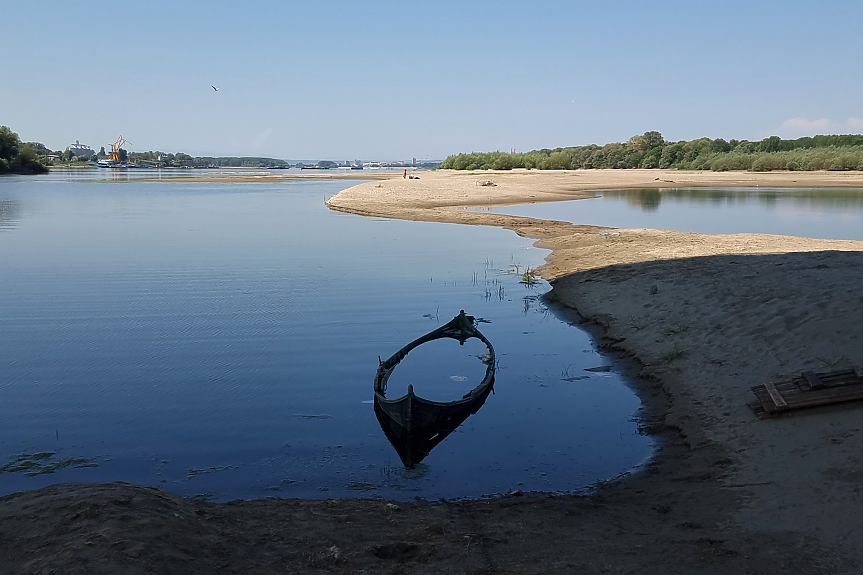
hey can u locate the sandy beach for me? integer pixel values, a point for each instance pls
(695, 320)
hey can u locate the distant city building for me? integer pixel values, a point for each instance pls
(79, 149)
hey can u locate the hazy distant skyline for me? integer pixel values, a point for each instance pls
(388, 80)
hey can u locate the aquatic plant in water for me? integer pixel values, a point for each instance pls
(31, 464)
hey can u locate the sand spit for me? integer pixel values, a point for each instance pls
(696, 318)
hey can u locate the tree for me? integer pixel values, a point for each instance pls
(652, 158)
(654, 139)
(771, 144)
(745, 147)
(27, 162)
(39, 148)
(9, 143)
(719, 145)
(694, 148)
(559, 161)
(102, 153)
(17, 157)
(671, 154)
(646, 141)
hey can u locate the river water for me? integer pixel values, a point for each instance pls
(220, 339)
(831, 213)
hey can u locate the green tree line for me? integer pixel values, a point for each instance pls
(17, 157)
(167, 159)
(32, 157)
(181, 159)
(651, 150)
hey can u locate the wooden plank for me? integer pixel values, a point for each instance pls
(798, 390)
(814, 397)
(812, 379)
(789, 390)
(763, 398)
(758, 409)
(831, 379)
(838, 378)
(775, 395)
(825, 396)
(858, 370)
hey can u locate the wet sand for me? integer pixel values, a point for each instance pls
(695, 319)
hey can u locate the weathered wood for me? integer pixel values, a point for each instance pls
(812, 380)
(756, 407)
(807, 390)
(775, 395)
(415, 425)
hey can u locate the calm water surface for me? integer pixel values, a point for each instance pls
(832, 213)
(220, 339)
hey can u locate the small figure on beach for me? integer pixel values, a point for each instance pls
(405, 175)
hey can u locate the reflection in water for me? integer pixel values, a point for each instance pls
(649, 199)
(118, 175)
(830, 213)
(415, 425)
(9, 214)
(429, 424)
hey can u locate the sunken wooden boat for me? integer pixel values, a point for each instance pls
(415, 425)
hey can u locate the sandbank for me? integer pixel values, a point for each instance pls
(735, 311)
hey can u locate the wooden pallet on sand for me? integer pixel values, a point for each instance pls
(809, 389)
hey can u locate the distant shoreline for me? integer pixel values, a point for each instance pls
(271, 177)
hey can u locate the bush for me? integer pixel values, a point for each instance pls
(27, 162)
(559, 161)
(731, 161)
(767, 163)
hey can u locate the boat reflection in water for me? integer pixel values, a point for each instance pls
(415, 425)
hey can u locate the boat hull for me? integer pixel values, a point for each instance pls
(415, 425)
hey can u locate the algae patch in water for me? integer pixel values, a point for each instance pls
(361, 486)
(31, 464)
(193, 472)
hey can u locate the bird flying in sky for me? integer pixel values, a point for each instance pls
(214, 88)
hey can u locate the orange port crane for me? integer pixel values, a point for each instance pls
(114, 156)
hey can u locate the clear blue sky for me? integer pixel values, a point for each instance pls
(395, 80)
